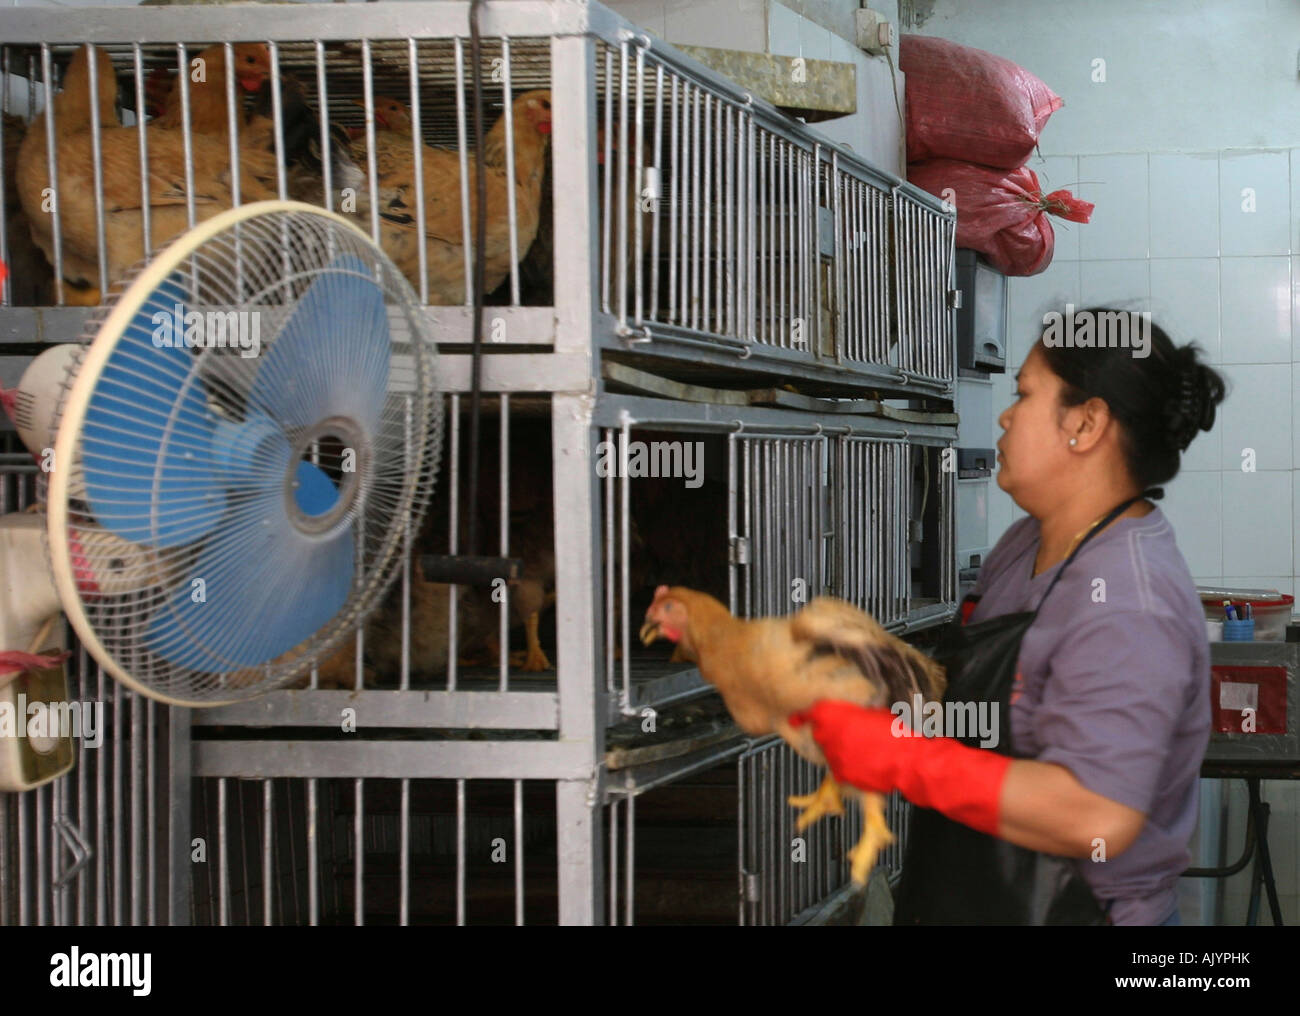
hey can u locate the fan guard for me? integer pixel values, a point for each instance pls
(254, 419)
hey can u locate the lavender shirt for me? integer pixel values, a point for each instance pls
(1113, 684)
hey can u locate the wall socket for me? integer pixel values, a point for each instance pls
(874, 33)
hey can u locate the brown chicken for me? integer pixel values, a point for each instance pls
(537, 267)
(478, 615)
(769, 668)
(123, 206)
(208, 113)
(383, 640)
(30, 276)
(443, 234)
(392, 115)
(72, 123)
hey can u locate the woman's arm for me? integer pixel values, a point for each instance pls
(1043, 807)
(1039, 805)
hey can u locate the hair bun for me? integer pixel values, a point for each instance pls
(1192, 407)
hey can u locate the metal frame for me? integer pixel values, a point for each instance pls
(800, 226)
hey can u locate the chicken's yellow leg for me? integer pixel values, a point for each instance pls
(875, 837)
(535, 659)
(825, 800)
(81, 296)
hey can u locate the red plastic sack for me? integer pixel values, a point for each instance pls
(964, 103)
(1002, 215)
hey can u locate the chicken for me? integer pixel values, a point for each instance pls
(72, 123)
(123, 206)
(531, 540)
(392, 115)
(383, 639)
(770, 668)
(29, 272)
(123, 215)
(537, 267)
(305, 179)
(208, 114)
(478, 614)
(443, 235)
(530, 593)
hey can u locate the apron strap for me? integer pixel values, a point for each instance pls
(1154, 493)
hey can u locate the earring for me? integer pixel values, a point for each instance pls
(1074, 441)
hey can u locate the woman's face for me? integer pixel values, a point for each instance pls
(1034, 451)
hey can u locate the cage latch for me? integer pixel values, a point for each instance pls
(76, 846)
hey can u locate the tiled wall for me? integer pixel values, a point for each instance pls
(1161, 148)
(1170, 235)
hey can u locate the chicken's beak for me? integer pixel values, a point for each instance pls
(649, 632)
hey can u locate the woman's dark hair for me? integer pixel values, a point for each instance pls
(1162, 400)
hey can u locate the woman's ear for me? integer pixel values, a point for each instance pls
(1087, 422)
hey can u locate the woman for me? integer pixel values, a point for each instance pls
(1108, 705)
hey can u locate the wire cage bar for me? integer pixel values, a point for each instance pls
(102, 845)
(331, 851)
(785, 875)
(703, 236)
(723, 227)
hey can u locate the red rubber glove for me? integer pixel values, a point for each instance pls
(941, 773)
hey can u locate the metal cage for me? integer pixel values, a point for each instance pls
(693, 244)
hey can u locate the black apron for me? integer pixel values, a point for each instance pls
(953, 874)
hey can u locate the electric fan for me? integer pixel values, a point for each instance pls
(236, 456)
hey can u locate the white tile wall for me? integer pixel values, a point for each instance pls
(1194, 505)
(1256, 415)
(1029, 299)
(1254, 202)
(1184, 191)
(1216, 275)
(1295, 304)
(1122, 284)
(1118, 186)
(1185, 303)
(1295, 522)
(1255, 320)
(1256, 523)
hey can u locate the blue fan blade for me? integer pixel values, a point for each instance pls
(316, 493)
(147, 434)
(265, 588)
(255, 455)
(331, 356)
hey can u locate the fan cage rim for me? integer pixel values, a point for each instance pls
(90, 363)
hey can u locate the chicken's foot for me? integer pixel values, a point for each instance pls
(825, 800)
(875, 837)
(81, 296)
(535, 658)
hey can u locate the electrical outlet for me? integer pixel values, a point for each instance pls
(874, 34)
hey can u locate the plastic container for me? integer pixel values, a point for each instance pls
(1272, 610)
(1214, 630)
(1239, 631)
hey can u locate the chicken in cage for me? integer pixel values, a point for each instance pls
(637, 213)
(721, 230)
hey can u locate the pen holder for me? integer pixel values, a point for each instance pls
(1239, 631)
